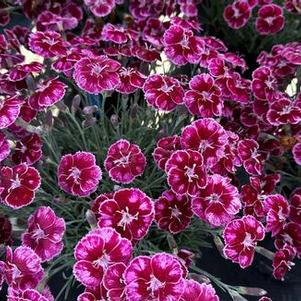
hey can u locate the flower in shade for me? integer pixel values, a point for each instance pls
(78, 174)
(96, 251)
(94, 294)
(130, 80)
(173, 212)
(237, 14)
(204, 97)
(252, 159)
(47, 44)
(276, 208)
(159, 277)
(25, 295)
(44, 233)
(270, 19)
(47, 94)
(124, 161)
(28, 150)
(18, 185)
(165, 147)
(181, 46)
(22, 268)
(297, 153)
(163, 92)
(188, 7)
(208, 137)
(198, 292)
(4, 147)
(218, 202)
(96, 74)
(20, 72)
(293, 6)
(97, 202)
(186, 173)
(130, 212)
(5, 232)
(295, 206)
(282, 261)
(241, 237)
(100, 8)
(114, 283)
(9, 110)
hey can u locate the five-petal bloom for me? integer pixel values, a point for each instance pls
(124, 161)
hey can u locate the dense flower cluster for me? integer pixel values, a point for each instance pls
(224, 139)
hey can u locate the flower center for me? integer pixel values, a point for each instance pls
(103, 261)
(214, 197)
(190, 173)
(204, 144)
(237, 13)
(97, 70)
(15, 183)
(270, 20)
(124, 160)
(126, 218)
(16, 273)
(248, 241)
(155, 284)
(287, 238)
(38, 234)
(286, 110)
(175, 212)
(75, 173)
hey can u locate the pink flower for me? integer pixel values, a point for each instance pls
(130, 212)
(47, 44)
(94, 294)
(47, 94)
(97, 202)
(44, 233)
(4, 147)
(23, 268)
(186, 173)
(18, 185)
(297, 153)
(130, 80)
(142, 9)
(28, 150)
(158, 277)
(264, 83)
(251, 158)
(124, 161)
(96, 251)
(9, 110)
(78, 174)
(295, 206)
(165, 147)
(204, 97)
(182, 46)
(198, 292)
(20, 72)
(26, 295)
(270, 19)
(173, 212)
(96, 74)
(100, 8)
(241, 237)
(276, 208)
(114, 33)
(208, 137)
(293, 6)
(218, 202)
(188, 7)
(114, 283)
(163, 92)
(284, 111)
(282, 261)
(237, 14)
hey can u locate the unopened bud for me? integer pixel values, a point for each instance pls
(89, 110)
(114, 119)
(91, 218)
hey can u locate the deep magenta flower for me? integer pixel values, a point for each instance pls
(218, 202)
(114, 283)
(130, 212)
(100, 8)
(22, 268)
(5, 233)
(9, 110)
(173, 212)
(297, 153)
(165, 147)
(198, 292)
(181, 46)
(18, 185)
(130, 80)
(237, 14)
(163, 92)
(208, 137)
(293, 6)
(47, 44)
(250, 156)
(270, 19)
(186, 173)
(45, 233)
(78, 174)
(124, 161)
(117, 34)
(4, 147)
(96, 74)
(97, 202)
(96, 251)
(94, 294)
(154, 278)
(28, 150)
(47, 94)
(20, 72)
(188, 7)
(204, 97)
(276, 208)
(241, 237)
(142, 9)
(295, 206)
(282, 261)
(25, 295)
